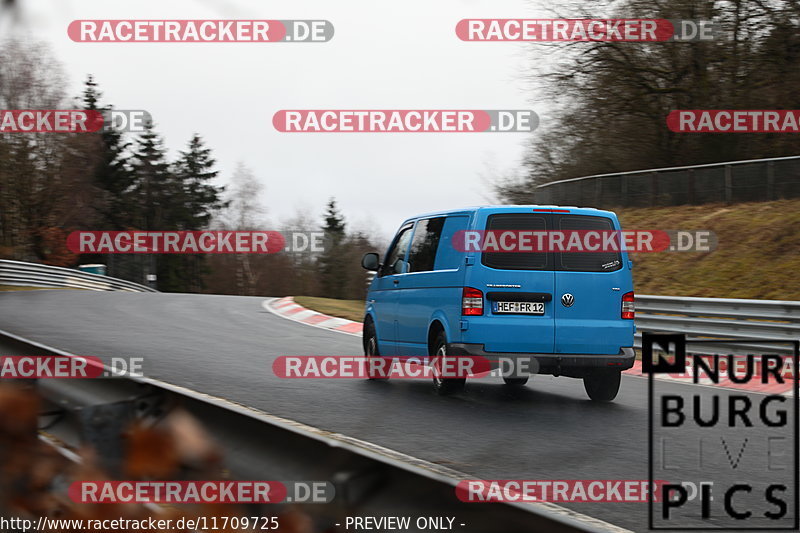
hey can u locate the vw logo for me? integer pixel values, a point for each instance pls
(567, 300)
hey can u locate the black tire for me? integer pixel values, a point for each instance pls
(603, 387)
(515, 381)
(444, 385)
(371, 352)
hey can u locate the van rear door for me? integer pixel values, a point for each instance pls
(588, 293)
(510, 281)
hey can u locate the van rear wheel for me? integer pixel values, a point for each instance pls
(603, 386)
(443, 385)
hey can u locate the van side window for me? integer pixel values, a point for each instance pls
(448, 257)
(396, 255)
(426, 241)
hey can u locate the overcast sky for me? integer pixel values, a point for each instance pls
(384, 55)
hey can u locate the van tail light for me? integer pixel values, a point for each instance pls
(471, 302)
(628, 306)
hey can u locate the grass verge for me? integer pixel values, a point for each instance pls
(349, 309)
(757, 255)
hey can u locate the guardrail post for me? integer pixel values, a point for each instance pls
(653, 188)
(690, 185)
(728, 184)
(770, 180)
(598, 191)
(623, 189)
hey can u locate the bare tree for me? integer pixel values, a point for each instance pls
(44, 184)
(244, 212)
(609, 100)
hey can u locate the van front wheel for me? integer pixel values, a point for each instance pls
(378, 368)
(603, 386)
(443, 385)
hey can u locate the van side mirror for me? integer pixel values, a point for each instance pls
(370, 261)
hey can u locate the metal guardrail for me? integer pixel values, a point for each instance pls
(22, 274)
(729, 318)
(731, 181)
(367, 480)
(705, 318)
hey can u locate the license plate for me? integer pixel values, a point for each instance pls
(521, 308)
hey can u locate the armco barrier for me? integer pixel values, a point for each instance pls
(368, 480)
(697, 317)
(730, 318)
(19, 273)
(735, 320)
(732, 181)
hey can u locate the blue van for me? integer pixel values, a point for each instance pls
(558, 312)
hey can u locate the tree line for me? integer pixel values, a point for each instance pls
(607, 102)
(55, 183)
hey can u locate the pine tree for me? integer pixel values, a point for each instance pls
(197, 202)
(112, 174)
(157, 192)
(91, 95)
(195, 170)
(334, 221)
(333, 274)
(155, 188)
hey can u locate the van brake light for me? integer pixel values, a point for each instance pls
(471, 302)
(628, 309)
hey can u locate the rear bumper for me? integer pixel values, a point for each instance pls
(571, 365)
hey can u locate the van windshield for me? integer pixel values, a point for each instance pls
(605, 261)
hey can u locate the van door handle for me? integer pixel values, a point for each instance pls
(395, 281)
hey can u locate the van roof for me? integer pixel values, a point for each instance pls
(514, 208)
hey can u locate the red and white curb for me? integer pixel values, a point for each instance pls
(288, 308)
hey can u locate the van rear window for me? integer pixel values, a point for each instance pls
(586, 261)
(518, 260)
(570, 261)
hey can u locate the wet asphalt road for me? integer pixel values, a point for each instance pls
(225, 345)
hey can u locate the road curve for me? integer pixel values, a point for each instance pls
(224, 346)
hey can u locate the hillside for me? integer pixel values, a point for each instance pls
(758, 252)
